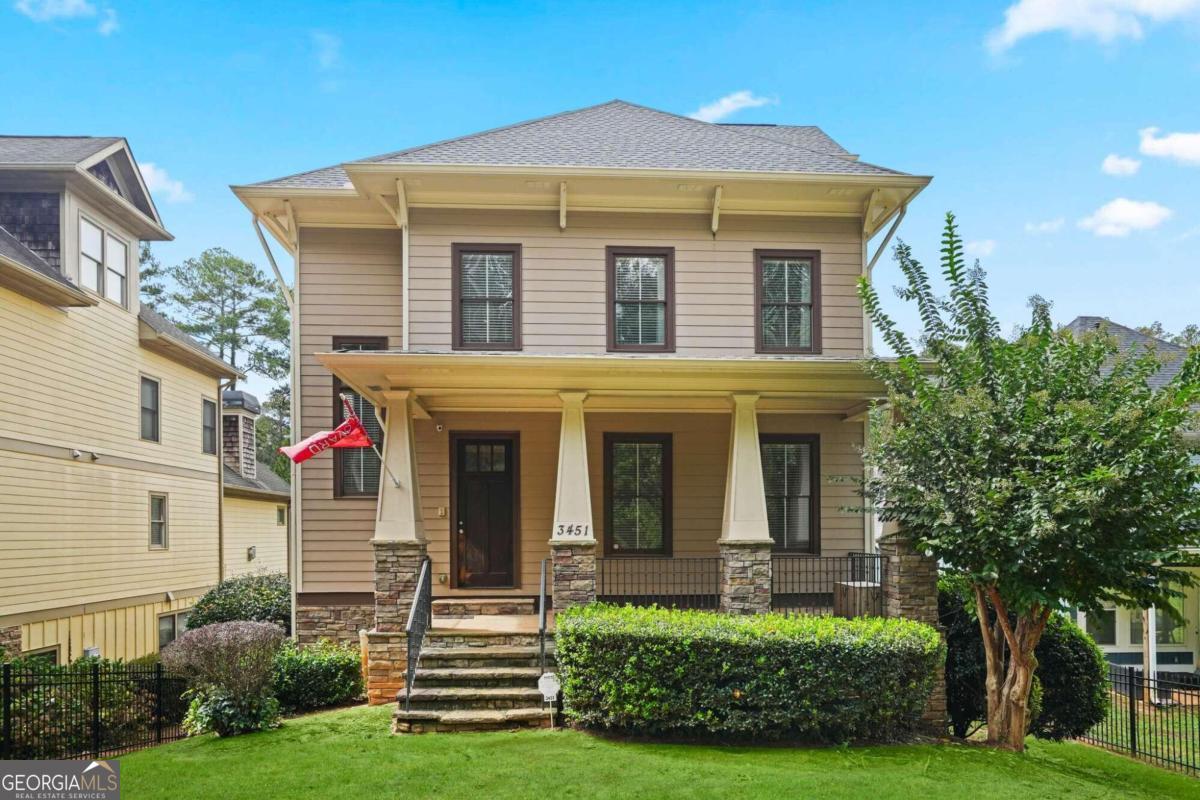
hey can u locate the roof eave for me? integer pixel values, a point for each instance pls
(150, 229)
(247, 493)
(31, 283)
(176, 350)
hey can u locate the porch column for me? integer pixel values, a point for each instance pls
(399, 546)
(573, 534)
(745, 541)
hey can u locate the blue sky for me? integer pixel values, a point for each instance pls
(1013, 107)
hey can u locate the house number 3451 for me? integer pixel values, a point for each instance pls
(572, 530)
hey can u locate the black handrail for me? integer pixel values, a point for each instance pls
(420, 615)
(542, 619)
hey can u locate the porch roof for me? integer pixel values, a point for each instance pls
(484, 381)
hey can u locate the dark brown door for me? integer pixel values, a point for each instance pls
(484, 510)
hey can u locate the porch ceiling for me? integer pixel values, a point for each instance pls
(528, 382)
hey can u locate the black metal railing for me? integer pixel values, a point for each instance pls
(846, 586)
(420, 616)
(1153, 718)
(662, 581)
(542, 618)
(88, 709)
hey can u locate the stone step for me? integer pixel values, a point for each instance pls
(468, 698)
(461, 607)
(476, 676)
(454, 637)
(493, 656)
(475, 720)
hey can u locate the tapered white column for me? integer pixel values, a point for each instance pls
(573, 533)
(399, 511)
(745, 498)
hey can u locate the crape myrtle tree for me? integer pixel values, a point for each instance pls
(1041, 468)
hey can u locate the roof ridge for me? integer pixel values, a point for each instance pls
(1135, 332)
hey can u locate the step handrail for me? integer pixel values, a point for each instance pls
(542, 620)
(420, 616)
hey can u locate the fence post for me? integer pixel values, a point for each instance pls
(95, 709)
(158, 702)
(6, 744)
(1132, 678)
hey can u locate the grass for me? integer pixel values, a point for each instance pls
(349, 753)
(1169, 733)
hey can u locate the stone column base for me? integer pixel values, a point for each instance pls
(573, 573)
(387, 666)
(10, 642)
(397, 566)
(745, 577)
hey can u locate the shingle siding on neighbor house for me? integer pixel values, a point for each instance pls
(33, 219)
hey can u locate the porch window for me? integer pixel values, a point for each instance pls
(1166, 629)
(641, 290)
(790, 465)
(787, 295)
(487, 302)
(356, 469)
(637, 482)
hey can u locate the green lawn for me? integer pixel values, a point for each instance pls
(1169, 733)
(349, 753)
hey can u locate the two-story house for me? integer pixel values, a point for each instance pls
(617, 339)
(110, 417)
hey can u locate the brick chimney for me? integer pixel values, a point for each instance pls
(238, 450)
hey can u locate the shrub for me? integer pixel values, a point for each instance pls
(1072, 675)
(230, 666)
(260, 598)
(694, 673)
(320, 675)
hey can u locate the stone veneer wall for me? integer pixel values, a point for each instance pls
(573, 574)
(32, 217)
(745, 577)
(910, 591)
(339, 623)
(10, 642)
(397, 568)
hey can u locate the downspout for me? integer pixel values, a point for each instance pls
(221, 387)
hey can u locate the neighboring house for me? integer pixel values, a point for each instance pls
(624, 338)
(255, 514)
(1119, 631)
(109, 438)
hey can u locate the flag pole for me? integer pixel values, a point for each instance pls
(350, 413)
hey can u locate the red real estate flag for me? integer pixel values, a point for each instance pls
(349, 434)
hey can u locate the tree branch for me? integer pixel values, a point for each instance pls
(1002, 617)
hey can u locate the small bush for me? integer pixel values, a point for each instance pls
(693, 673)
(258, 598)
(230, 666)
(317, 676)
(1072, 674)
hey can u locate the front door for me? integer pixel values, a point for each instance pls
(484, 510)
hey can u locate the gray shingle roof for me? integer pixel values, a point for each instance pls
(1131, 340)
(12, 249)
(51, 149)
(264, 481)
(622, 135)
(165, 327)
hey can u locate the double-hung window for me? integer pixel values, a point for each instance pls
(487, 296)
(637, 482)
(787, 301)
(356, 469)
(790, 466)
(159, 521)
(208, 426)
(103, 262)
(150, 400)
(641, 299)
(91, 255)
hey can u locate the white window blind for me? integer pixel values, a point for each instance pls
(486, 295)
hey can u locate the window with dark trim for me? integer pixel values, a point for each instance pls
(791, 481)
(281, 515)
(356, 469)
(208, 426)
(159, 521)
(486, 287)
(787, 301)
(171, 627)
(637, 493)
(641, 299)
(150, 397)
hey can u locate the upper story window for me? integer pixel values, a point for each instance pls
(787, 289)
(103, 262)
(487, 296)
(208, 426)
(790, 468)
(637, 481)
(150, 401)
(641, 299)
(158, 521)
(356, 469)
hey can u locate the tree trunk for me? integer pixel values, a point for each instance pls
(1009, 680)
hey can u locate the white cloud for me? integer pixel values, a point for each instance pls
(55, 10)
(981, 248)
(1046, 226)
(328, 49)
(729, 104)
(1183, 147)
(160, 183)
(1102, 20)
(1122, 216)
(1114, 164)
(108, 23)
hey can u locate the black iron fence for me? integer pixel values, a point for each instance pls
(662, 581)
(847, 586)
(88, 709)
(1153, 718)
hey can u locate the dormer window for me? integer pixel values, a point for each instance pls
(103, 262)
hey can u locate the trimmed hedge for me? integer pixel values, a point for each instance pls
(693, 673)
(257, 598)
(319, 675)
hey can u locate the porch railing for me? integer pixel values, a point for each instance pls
(542, 618)
(848, 586)
(660, 580)
(420, 616)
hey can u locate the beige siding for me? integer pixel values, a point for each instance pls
(254, 523)
(126, 633)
